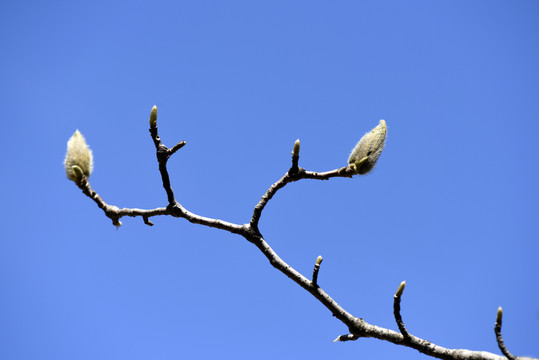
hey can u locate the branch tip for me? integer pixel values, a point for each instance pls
(316, 270)
(400, 290)
(295, 151)
(347, 337)
(153, 117)
(295, 159)
(177, 147)
(499, 316)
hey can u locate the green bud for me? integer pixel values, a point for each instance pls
(400, 289)
(295, 152)
(319, 260)
(499, 315)
(368, 149)
(153, 117)
(79, 159)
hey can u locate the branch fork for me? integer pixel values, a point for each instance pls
(361, 160)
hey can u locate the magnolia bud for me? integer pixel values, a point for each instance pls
(295, 151)
(153, 117)
(499, 315)
(79, 160)
(368, 149)
(400, 289)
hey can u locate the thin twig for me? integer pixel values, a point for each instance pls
(316, 269)
(176, 147)
(499, 338)
(163, 154)
(397, 311)
(287, 178)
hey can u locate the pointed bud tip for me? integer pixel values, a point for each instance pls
(400, 290)
(319, 260)
(295, 151)
(153, 116)
(499, 315)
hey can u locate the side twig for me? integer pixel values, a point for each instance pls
(163, 154)
(397, 311)
(499, 338)
(315, 270)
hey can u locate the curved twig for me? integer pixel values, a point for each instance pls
(397, 311)
(499, 338)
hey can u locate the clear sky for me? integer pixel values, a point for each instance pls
(451, 207)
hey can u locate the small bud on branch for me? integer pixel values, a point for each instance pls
(153, 117)
(499, 316)
(400, 289)
(295, 151)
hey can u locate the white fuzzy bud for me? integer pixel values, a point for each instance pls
(368, 149)
(79, 160)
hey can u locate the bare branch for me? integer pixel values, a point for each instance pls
(287, 178)
(176, 210)
(163, 154)
(114, 212)
(357, 327)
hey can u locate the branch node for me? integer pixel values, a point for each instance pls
(174, 209)
(397, 311)
(499, 338)
(315, 271)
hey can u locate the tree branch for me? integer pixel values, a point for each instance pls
(287, 178)
(357, 327)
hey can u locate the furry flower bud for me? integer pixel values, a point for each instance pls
(79, 159)
(368, 149)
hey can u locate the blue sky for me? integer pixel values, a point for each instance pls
(451, 206)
